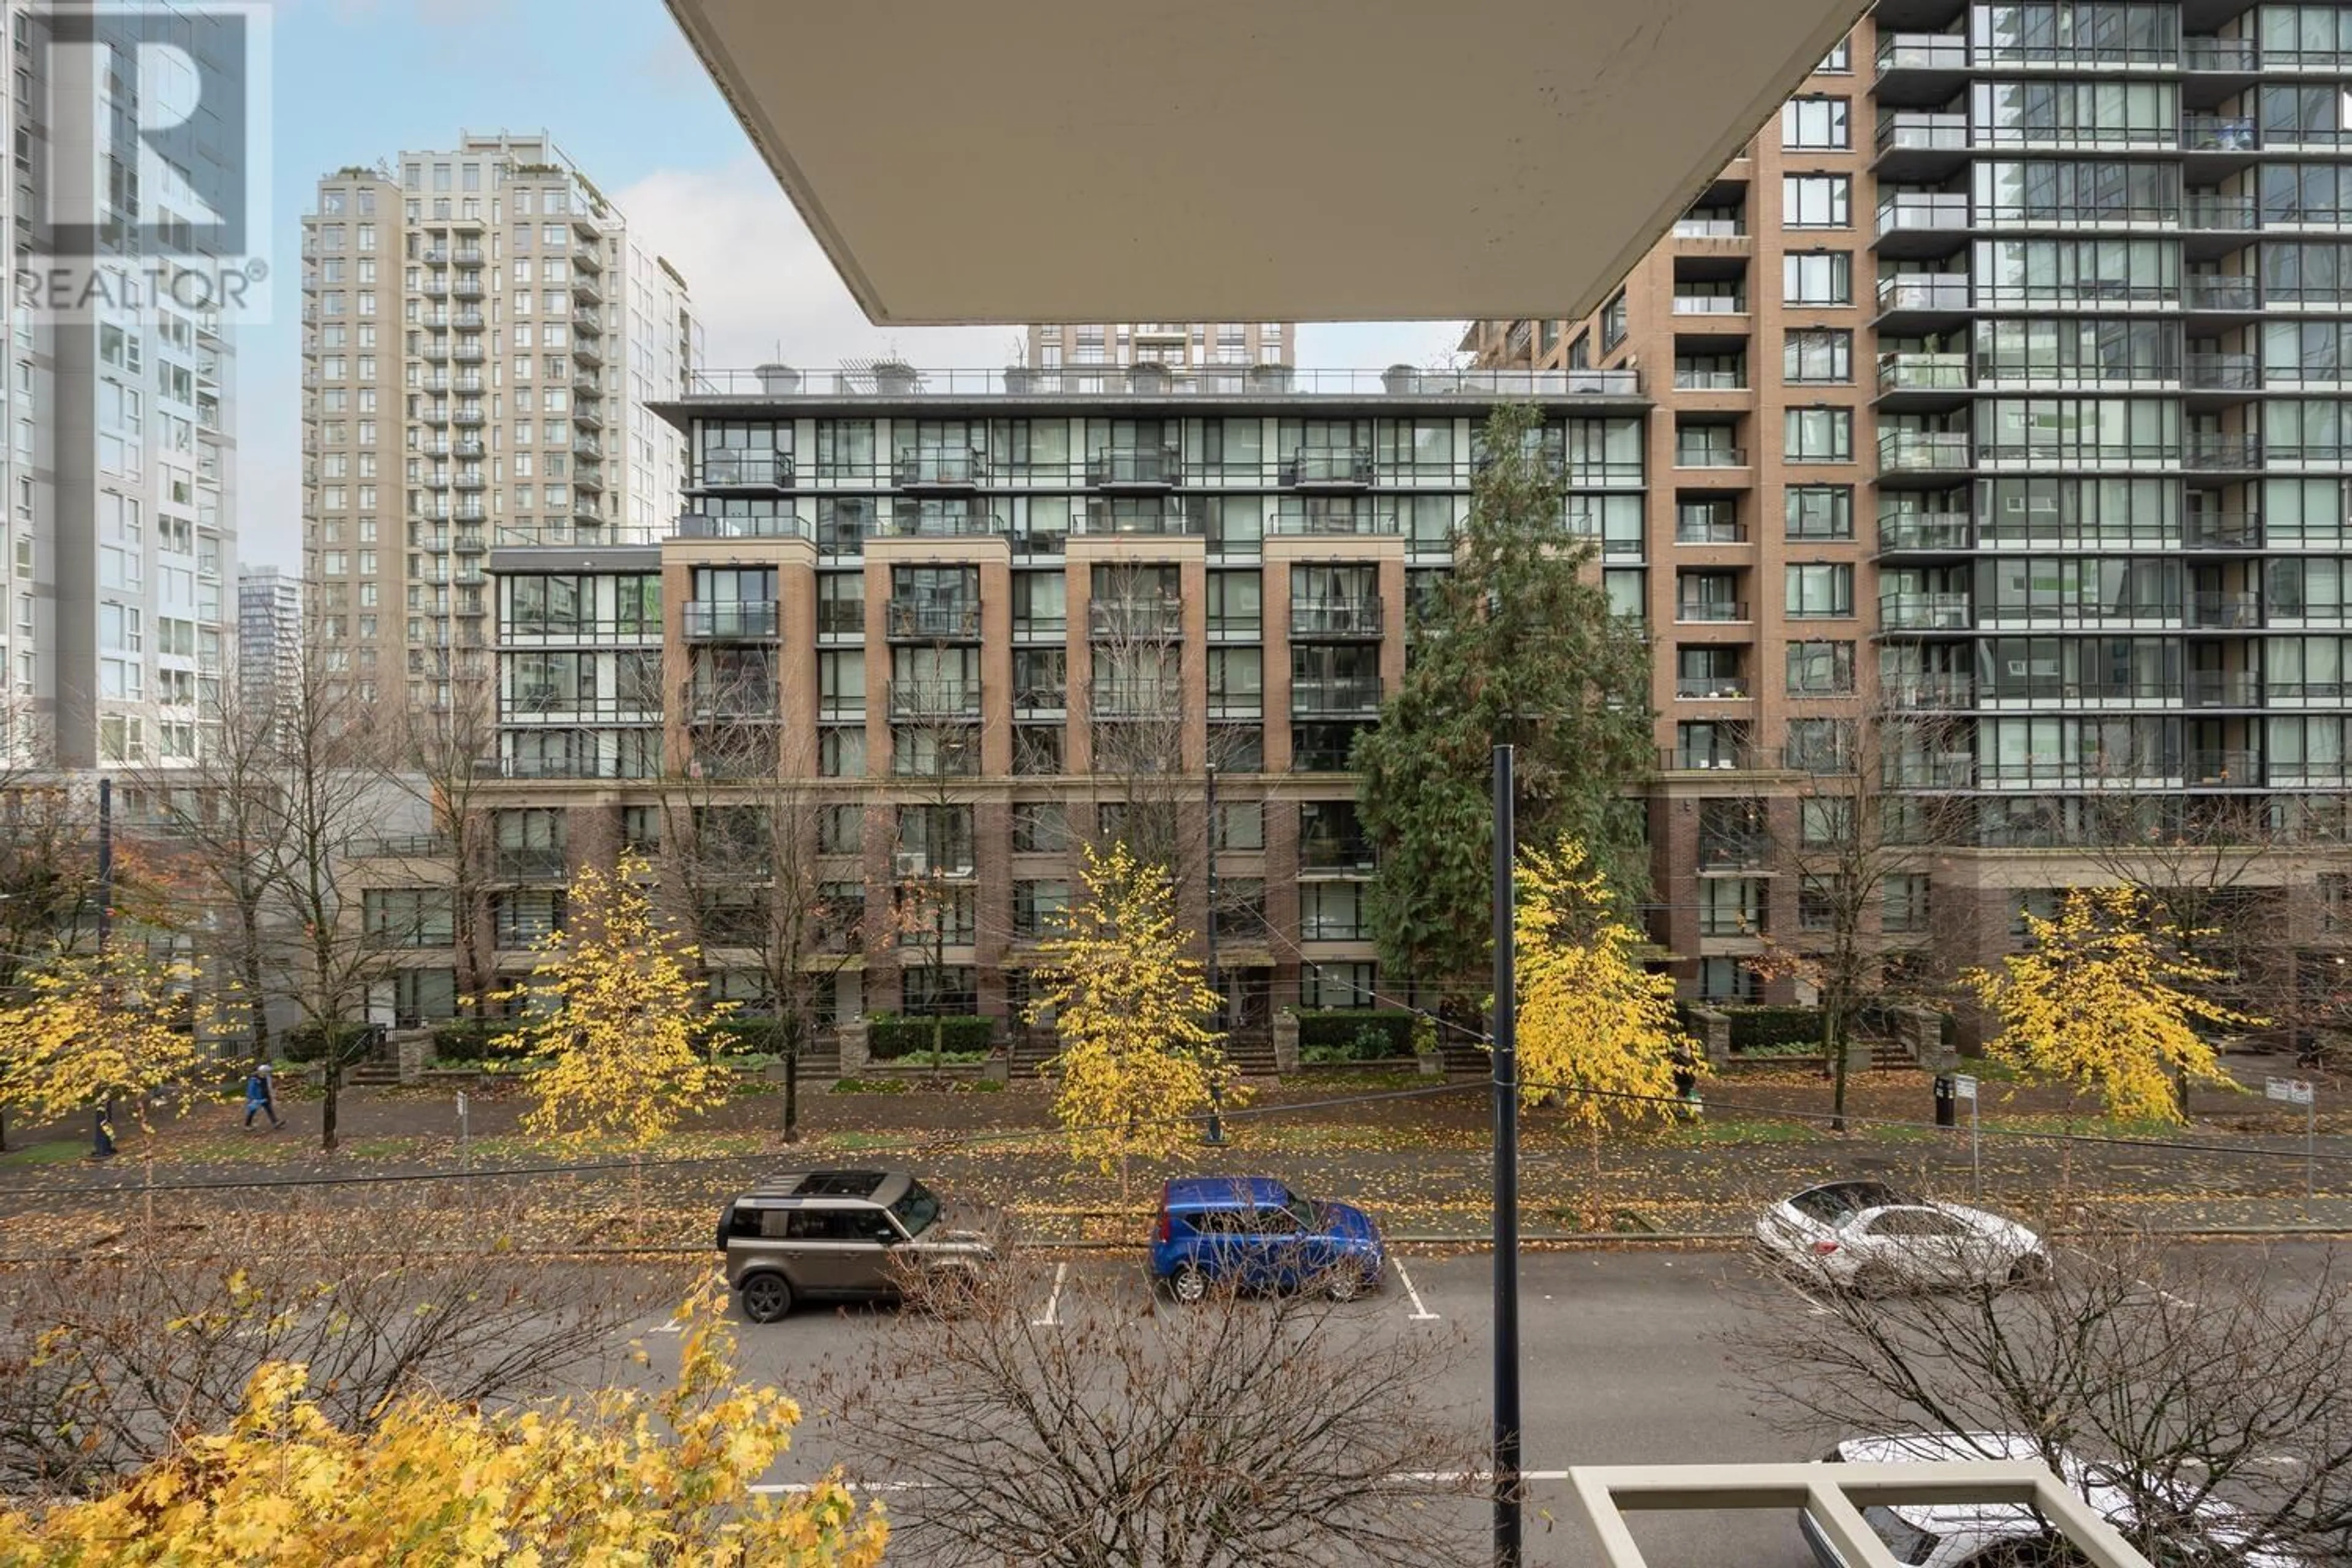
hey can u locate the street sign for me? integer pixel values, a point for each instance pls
(1964, 1088)
(2292, 1091)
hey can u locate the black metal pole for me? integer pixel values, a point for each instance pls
(101, 1130)
(1215, 1136)
(1507, 1538)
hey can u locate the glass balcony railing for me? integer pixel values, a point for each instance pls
(1923, 373)
(1706, 610)
(1712, 687)
(711, 620)
(1922, 210)
(1926, 531)
(1924, 452)
(1925, 612)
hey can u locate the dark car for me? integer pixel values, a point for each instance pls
(845, 1235)
(1252, 1232)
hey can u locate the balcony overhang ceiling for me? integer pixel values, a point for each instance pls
(976, 161)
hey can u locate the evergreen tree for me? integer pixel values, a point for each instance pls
(1519, 649)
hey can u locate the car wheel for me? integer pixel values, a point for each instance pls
(1346, 1284)
(765, 1298)
(1875, 1281)
(1189, 1285)
(2030, 1271)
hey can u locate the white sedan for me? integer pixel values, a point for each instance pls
(2004, 1535)
(1863, 1236)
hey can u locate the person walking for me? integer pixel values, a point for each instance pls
(261, 1096)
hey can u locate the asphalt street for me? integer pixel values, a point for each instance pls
(1626, 1359)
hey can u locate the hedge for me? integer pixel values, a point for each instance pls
(1762, 1029)
(1354, 1033)
(308, 1043)
(470, 1040)
(890, 1035)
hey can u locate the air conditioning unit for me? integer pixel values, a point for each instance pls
(909, 863)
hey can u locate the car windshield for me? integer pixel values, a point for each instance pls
(1841, 1201)
(917, 1208)
(1906, 1540)
(1300, 1208)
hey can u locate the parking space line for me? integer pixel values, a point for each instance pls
(1424, 1477)
(667, 1326)
(1054, 1301)
(1421, 1314)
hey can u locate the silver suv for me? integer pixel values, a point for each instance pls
(845, 1235)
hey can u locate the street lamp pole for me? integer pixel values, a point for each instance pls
(1508, 1545)
(1216, 1135)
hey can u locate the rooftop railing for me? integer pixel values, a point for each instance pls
(1170, 381)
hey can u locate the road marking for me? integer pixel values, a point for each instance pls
(1054, 1301)
(1415, 1477)
(667, 1326)
(1421, 1314)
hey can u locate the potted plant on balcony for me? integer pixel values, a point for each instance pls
(1019, 380)
(1401, 380)
(1147, 376)
(895, 376)
(1270, 377)
(777, 380)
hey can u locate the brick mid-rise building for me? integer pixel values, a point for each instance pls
(980, 621)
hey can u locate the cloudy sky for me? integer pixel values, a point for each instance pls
(359, 82)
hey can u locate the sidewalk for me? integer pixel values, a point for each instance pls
(1419, 1161)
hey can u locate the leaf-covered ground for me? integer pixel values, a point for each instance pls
(1415, 1152)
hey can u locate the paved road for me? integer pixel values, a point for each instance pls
(1623, 1363)
(1627, 1357)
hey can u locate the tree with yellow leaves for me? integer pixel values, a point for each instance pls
(1132, 1012)
(619, 1028)
(1593, 1025)
(619, 1478)
(2096, 1004)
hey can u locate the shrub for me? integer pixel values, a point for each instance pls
(472, 1040)
(1355, 1034)
(891, 1036)
(740, 1036)
(1763, 1029)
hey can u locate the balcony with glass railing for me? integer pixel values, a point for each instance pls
(1910, 211)
(1709, 455)
(2225, 612)
(1922, 52)
(1712, 687)
(1908, 372)
(1344, 616)
(1925, 451)
(1151, 615)
(1924, 292)
(1922, 131)
(1335, 696)
(1925, 612)
(1903, 533)
(917, 620)
(1705, 611)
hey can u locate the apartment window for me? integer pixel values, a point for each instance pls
(1241, 826)
(1322, 986)
(1820, 669)
(1614, 323)
(1037, 909)
(2040, 903)
(1818, 511)
(1333, 911)
(641, 829)
(840, 829)
(409, 918)
(952, 992)
(1727, 979)
(1839, 61)
(1824, 822)
(1817, 355)
(1905, 906)
(421, 996)
(1821, 589)
(1817, 201)
(1817, 435)
(1817, 277)
(524, 919)
(1040, 828)
(1817, 124)
(1731, 906)
(1821, 745)
(1819, 897)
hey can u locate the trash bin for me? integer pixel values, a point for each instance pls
(1948, 1101)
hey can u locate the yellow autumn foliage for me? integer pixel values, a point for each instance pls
(619, 1478)
(617, 1022)
(86, 1030)
(1132, 1014)
(2094, 1004)
(1590, 1017)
